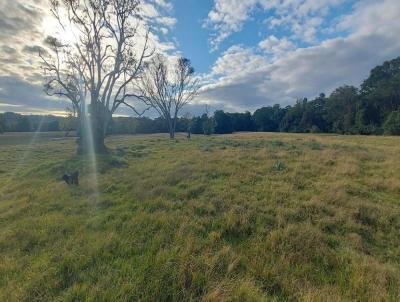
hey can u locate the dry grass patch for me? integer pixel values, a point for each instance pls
(242, 217)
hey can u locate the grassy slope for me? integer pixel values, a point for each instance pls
(244, 217)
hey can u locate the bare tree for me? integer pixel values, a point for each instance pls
(168, 87)
(100, 65)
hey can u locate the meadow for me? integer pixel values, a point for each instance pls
(241, 217)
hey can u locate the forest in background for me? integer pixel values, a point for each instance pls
(374, 108)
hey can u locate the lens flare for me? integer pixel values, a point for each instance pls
(88, 142)
(91, 155)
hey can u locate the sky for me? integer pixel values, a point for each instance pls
(247, 53)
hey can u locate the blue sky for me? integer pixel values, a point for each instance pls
(190, 34)
(248, 53)
(193, 36)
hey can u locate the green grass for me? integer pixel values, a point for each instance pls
(246, 217)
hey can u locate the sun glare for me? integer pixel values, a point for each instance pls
(62, 30)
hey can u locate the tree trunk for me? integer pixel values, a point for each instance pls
(171, 134)
(171, 127)
(92, 133)
(91, 142)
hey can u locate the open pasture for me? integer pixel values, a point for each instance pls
(242, 217)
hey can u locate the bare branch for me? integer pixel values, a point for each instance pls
(166, 90)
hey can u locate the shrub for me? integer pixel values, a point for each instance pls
(279, 166)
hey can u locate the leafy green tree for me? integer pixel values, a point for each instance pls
(197, 125)
(268, 118)
(293, 121)
(242, 121)
(223, 122)
(208, 126)
(341, 109)
(381, 91)
(23, 124)
(53, 126)
(318, 107)
(392, 123)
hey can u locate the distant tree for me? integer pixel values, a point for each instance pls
(197, 127)
(167, 88)
(123, 125)
(318, 108)
(294, 120)
(223, 122)
(188, 121)
(312, 115)
(101, 64)
(381, 91)
(207, 121)
(70, 122)
(10, 120)
(341, 109)
(208, 125)
(392, 123)
(366, 121)
(145, 125)
(384, 79)
(242, 121)
(2, 124)
(53, 126)
(23, 124)
(268, 118)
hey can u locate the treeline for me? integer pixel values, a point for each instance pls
(14, 122)
(374, 108)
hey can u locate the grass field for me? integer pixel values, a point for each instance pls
(244, 217)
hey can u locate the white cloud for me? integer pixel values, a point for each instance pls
(155, 12)
(228, 16)
(167, 21)
(245, 79)
(164, 4)
(304, 18)
(276, 47)
(237, 61)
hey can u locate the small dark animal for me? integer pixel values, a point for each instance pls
(71, 179)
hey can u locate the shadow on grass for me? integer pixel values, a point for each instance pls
(81, 163)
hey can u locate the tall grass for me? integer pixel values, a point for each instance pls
(247, 217)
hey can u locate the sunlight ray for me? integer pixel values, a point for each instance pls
(91, 156)
(90, 153)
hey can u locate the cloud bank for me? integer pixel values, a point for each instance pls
(275, 71)
(307, 47)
